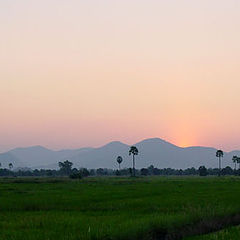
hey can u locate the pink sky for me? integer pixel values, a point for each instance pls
(83, 73)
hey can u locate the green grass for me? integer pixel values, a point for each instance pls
(111, 208)
(232, 233)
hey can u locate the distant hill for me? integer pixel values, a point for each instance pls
(103, 157)
(35, 155)
(6, 158)
(153, 151)
(38, 156)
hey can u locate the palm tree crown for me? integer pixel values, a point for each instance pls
(133, 150)
(119, 159)
(10, 165)
(219, 153)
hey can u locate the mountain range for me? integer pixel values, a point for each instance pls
(153, 151)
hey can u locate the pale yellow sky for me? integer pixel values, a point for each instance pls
(82, 73)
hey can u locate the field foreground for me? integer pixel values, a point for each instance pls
(116, 208)
(226, 234)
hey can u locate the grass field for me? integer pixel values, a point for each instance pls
(112, 208)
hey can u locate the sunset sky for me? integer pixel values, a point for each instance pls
(77, 73)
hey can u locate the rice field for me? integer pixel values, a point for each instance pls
(232, 233)
(115, 208)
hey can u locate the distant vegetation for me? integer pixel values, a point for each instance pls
(149, 171)
(66, 169)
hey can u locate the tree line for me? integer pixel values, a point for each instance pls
(149, 171)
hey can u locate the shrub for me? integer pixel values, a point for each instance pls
(75, 176)
(203, 171)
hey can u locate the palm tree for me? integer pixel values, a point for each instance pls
(133, 151)
(10, 166)
(235, 161)
(119, 160)
(219, 155)
(238, 161)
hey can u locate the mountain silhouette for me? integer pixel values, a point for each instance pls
(152, 151)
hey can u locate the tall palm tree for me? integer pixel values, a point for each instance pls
(219, 155)
(235, 161)
(10, 165)
(133, 151)
(119, 160)
(238, 161)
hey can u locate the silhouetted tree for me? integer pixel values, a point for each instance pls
(238, 161)
(84, 172)
(213, 171)
(76, 175)
(203, 171)
(219, 155)
(92, 172)
(144, 171)
(10, 165)
(227, 171)
(74, 170)
(156, 171)
(119, 160)
(65, 167)
(100, 171)
(124, 171)
(235, 160)
(180, 172)
(190, 171)
(151, 170)
(49, 172)
(133, 151)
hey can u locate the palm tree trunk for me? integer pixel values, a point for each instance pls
(119, 167)
(133, 165)
(219, 166)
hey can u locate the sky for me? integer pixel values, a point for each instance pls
(77, 73)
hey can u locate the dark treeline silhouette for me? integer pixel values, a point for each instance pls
(66, 170)
(202, 171)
